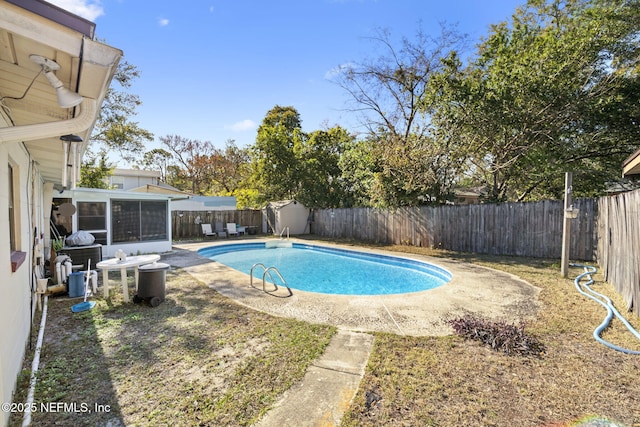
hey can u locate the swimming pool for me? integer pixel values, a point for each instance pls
(321, 269)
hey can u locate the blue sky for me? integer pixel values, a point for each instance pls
(210, 70)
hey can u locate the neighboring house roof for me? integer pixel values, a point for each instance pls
(631, 165)
(621, 186)
(467, 193)
(99, 193)
(215, 201)
(281, 204)
(160, 189)
(136, 172)
(208, 203)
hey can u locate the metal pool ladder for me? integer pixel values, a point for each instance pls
(267, 271)
(282, 232)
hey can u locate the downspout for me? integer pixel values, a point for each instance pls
(74, 164)
(47, 199)
(75, 167)
(65, 164)
(78, 124)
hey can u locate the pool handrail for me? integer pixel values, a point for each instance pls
(264, 276)
(283, 230)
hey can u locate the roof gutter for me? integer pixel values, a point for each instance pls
(82, 122)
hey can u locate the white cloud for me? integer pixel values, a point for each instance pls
(242, 125)
(335, 71)
(163, 22)
(88, 9)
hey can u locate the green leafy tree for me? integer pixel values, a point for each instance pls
(555, 89)
(95, 172)
(275, 168)
(411, 164)
(321, 183)
(287, 163)
(114, 130)
(359, 169)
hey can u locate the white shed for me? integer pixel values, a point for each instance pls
(286, 215)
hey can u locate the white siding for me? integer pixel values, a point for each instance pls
(15, 294)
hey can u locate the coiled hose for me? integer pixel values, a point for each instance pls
(605, 301)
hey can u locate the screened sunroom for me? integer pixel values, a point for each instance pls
(137, 223)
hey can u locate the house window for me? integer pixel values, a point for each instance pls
(92, 217)
(117, 182)
(138, 220)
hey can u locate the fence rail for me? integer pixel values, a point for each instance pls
(523, 229)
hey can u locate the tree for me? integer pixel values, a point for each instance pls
(391, 92)
(290, 164)
(114, 130)
(192, 169)
(555, 89)
(230, 168)
(358, 168)
(275, 169)
(321, 183)
(156, 159)
(95, 172)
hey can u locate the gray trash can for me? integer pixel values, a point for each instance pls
(151, 283)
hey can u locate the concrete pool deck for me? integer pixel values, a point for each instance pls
(331, 382)
(475, 289)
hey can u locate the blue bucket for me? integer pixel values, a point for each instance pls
(76, 284)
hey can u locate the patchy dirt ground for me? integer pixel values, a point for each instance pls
(202, 359)
(196, 359)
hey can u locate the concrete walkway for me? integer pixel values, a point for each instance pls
(328, 387)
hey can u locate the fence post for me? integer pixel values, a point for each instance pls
(566, 226)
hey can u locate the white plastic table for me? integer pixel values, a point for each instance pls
(115, 264)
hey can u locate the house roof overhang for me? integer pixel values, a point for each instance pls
(631, 165)
(30, 114)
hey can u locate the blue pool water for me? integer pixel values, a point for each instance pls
(326, 270)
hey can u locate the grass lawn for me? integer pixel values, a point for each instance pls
(201, 359)
(451, 382)
(196, 359)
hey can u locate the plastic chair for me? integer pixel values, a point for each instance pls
(220, 230)
(231, 229)
(207, 232)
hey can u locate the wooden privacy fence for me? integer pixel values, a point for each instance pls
(186, 224)
(523, 229)
(607, 230)
(619, 245)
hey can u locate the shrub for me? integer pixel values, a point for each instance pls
(499, 335)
